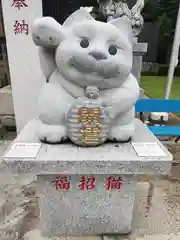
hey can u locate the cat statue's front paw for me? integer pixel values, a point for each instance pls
(51, 134)
(122, 133)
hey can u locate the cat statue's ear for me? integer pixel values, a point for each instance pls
(124, 25)
(76, 17)
(47, 32)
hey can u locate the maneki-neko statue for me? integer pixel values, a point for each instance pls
(89, 93)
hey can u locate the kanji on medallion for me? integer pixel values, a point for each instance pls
(87, 183)
(19, 4)
(21, 27)
(114, 183)
(62, 183)
(90, 118)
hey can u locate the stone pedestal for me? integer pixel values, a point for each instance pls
(98, 210)
(79, 212)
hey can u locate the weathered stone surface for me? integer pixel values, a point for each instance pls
(17, 213)
(110, 158)
(160, 237)
(2, 206)
(8, 121)
(18, 204)
(146, 237)
(36, 235)
(29, 186)
(3, 167)
(162, 218)
(139, 49)
(14, 225)
(77, 212)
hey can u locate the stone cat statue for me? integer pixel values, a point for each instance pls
(84, 52)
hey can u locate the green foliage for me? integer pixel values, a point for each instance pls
(166, 26)
(151, 10)
(165, 39)
(170, 7)
(168, 10)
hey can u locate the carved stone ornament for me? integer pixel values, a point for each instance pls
(88, 124)
(89, 93)
(115, 8)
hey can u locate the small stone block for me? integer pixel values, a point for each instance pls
(76, 212)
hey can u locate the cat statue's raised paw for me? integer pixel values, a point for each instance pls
(84, 52)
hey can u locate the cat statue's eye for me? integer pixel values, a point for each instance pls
(84, 43)
(112, 50)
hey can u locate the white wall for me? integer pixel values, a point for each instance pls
(26, 76)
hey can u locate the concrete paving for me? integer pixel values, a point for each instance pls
(162, 215)
(160, 237)
(36, 235)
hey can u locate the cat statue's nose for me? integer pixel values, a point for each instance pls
(98, 55)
